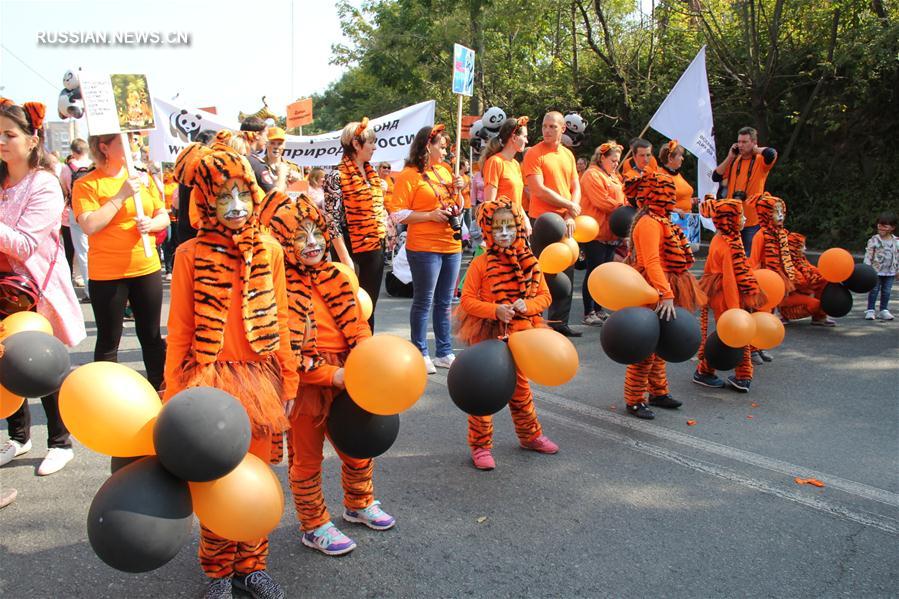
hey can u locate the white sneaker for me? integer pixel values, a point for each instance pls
(13, 449)
(592, 320)
(445, 361)
(869, 314)
(885, 315)
(429, 366)
(56, 460)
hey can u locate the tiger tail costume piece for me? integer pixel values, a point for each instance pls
(228, 325)
(501, 276)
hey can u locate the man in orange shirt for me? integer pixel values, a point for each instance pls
(640, 161)
(744, 174)
(550, 173)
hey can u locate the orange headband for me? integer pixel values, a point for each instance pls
(435, 131)
(4, 102)
(35, 112)
(363, 125)
(672, 146)
(609, 146)
(523, 121)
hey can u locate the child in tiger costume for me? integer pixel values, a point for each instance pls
(728, 283)
(325, 323)
(504, 292)
(809, 279)
(771, 250)
(228, 329)
(661, 252)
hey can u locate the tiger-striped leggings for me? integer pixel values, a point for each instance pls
(305, 442)
(743, 370)
(648, 375)
(799, 305)
(524, 415)
(222, 558)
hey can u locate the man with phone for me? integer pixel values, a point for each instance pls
(744, 173)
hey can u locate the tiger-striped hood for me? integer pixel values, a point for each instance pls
(653, 191)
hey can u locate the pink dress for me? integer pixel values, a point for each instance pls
(30, 214)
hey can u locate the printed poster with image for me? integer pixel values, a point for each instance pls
(116, 103)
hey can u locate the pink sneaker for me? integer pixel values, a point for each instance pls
(541, 444)
(482, 458)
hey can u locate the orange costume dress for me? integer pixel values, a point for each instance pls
(661, 253)
(325, 324)
(227, 326)
(727, 280)
(501, 276)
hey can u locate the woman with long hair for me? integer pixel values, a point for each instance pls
(427, 199)
(500, 170)
(31, 251)
(119, 270)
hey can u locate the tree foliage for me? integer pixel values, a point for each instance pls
(819, 79)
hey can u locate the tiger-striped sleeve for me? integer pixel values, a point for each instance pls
(181, 324)
(286, 357)
(647, 242)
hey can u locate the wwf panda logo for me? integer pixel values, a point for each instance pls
(575, 125)
(185, 126)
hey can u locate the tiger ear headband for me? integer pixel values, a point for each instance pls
(609, 146)
(523, 121)
(672, 146)
(360, 129)
(435, 131)
(35, 112)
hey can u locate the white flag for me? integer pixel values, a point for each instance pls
(686, 115)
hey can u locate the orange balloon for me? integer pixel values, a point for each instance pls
(385, 374)
(24, 321)
(350, 273)
(735, 327)
(544, 356)
(585, 228)
(364, 303)
(555, 258)
(769, 330)
(9, 403)
(615, 285)
(836, 265)
(574, 247)
(110, 408)
(773, 286)
(244, 505)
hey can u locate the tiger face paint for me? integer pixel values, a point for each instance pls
(778, 214)
(233, 204)
(309, 243)
(504, 228)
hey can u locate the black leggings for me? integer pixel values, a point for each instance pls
(57, 433)
(370, 268)
(108, 300)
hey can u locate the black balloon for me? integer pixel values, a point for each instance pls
(559, 285)
(116, 463)
(140, 518)
(679, 338)
(548, 228)
(630, 335)
(620, 220)
(202, 434)
(33, 364)
(358, 433)
(721, 356)
(836, 300)
(482, 379)
(863, 279)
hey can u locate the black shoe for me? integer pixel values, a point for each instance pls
(641, 411)
(765, 356)
(665, 401)
(567, 331)
(260, 585)
(218, 588)
(741, 385)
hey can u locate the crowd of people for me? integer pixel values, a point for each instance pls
(261, 305)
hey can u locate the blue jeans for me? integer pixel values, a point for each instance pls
(433, 283)
(747, 234)
(884, 287)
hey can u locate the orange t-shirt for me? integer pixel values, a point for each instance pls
(414, 192)
(466, 191)
(116, 252)
(629, 169)
(558, 167)
(748, 175)
(505, 176)
(683, 192)
(388, 194)
(601, 194)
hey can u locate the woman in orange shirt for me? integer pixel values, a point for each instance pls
(119, 270)
(427, 199)
(601, 194)
(501, 172)
(228, 328)
(671, 159)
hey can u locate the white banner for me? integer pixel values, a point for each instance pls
(686, 115)
(176, 126)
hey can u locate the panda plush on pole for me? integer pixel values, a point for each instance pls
(491, 121)
(70, 104)
(575, 125)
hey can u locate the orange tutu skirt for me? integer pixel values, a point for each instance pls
(711, 284)
(687, 293)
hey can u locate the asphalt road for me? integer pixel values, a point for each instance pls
(627, 508)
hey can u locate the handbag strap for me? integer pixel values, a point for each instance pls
(52, 263)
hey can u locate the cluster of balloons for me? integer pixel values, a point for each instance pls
(482, 379)
(843, 277)
(190, 456)
(556, 251)
(33, 362)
